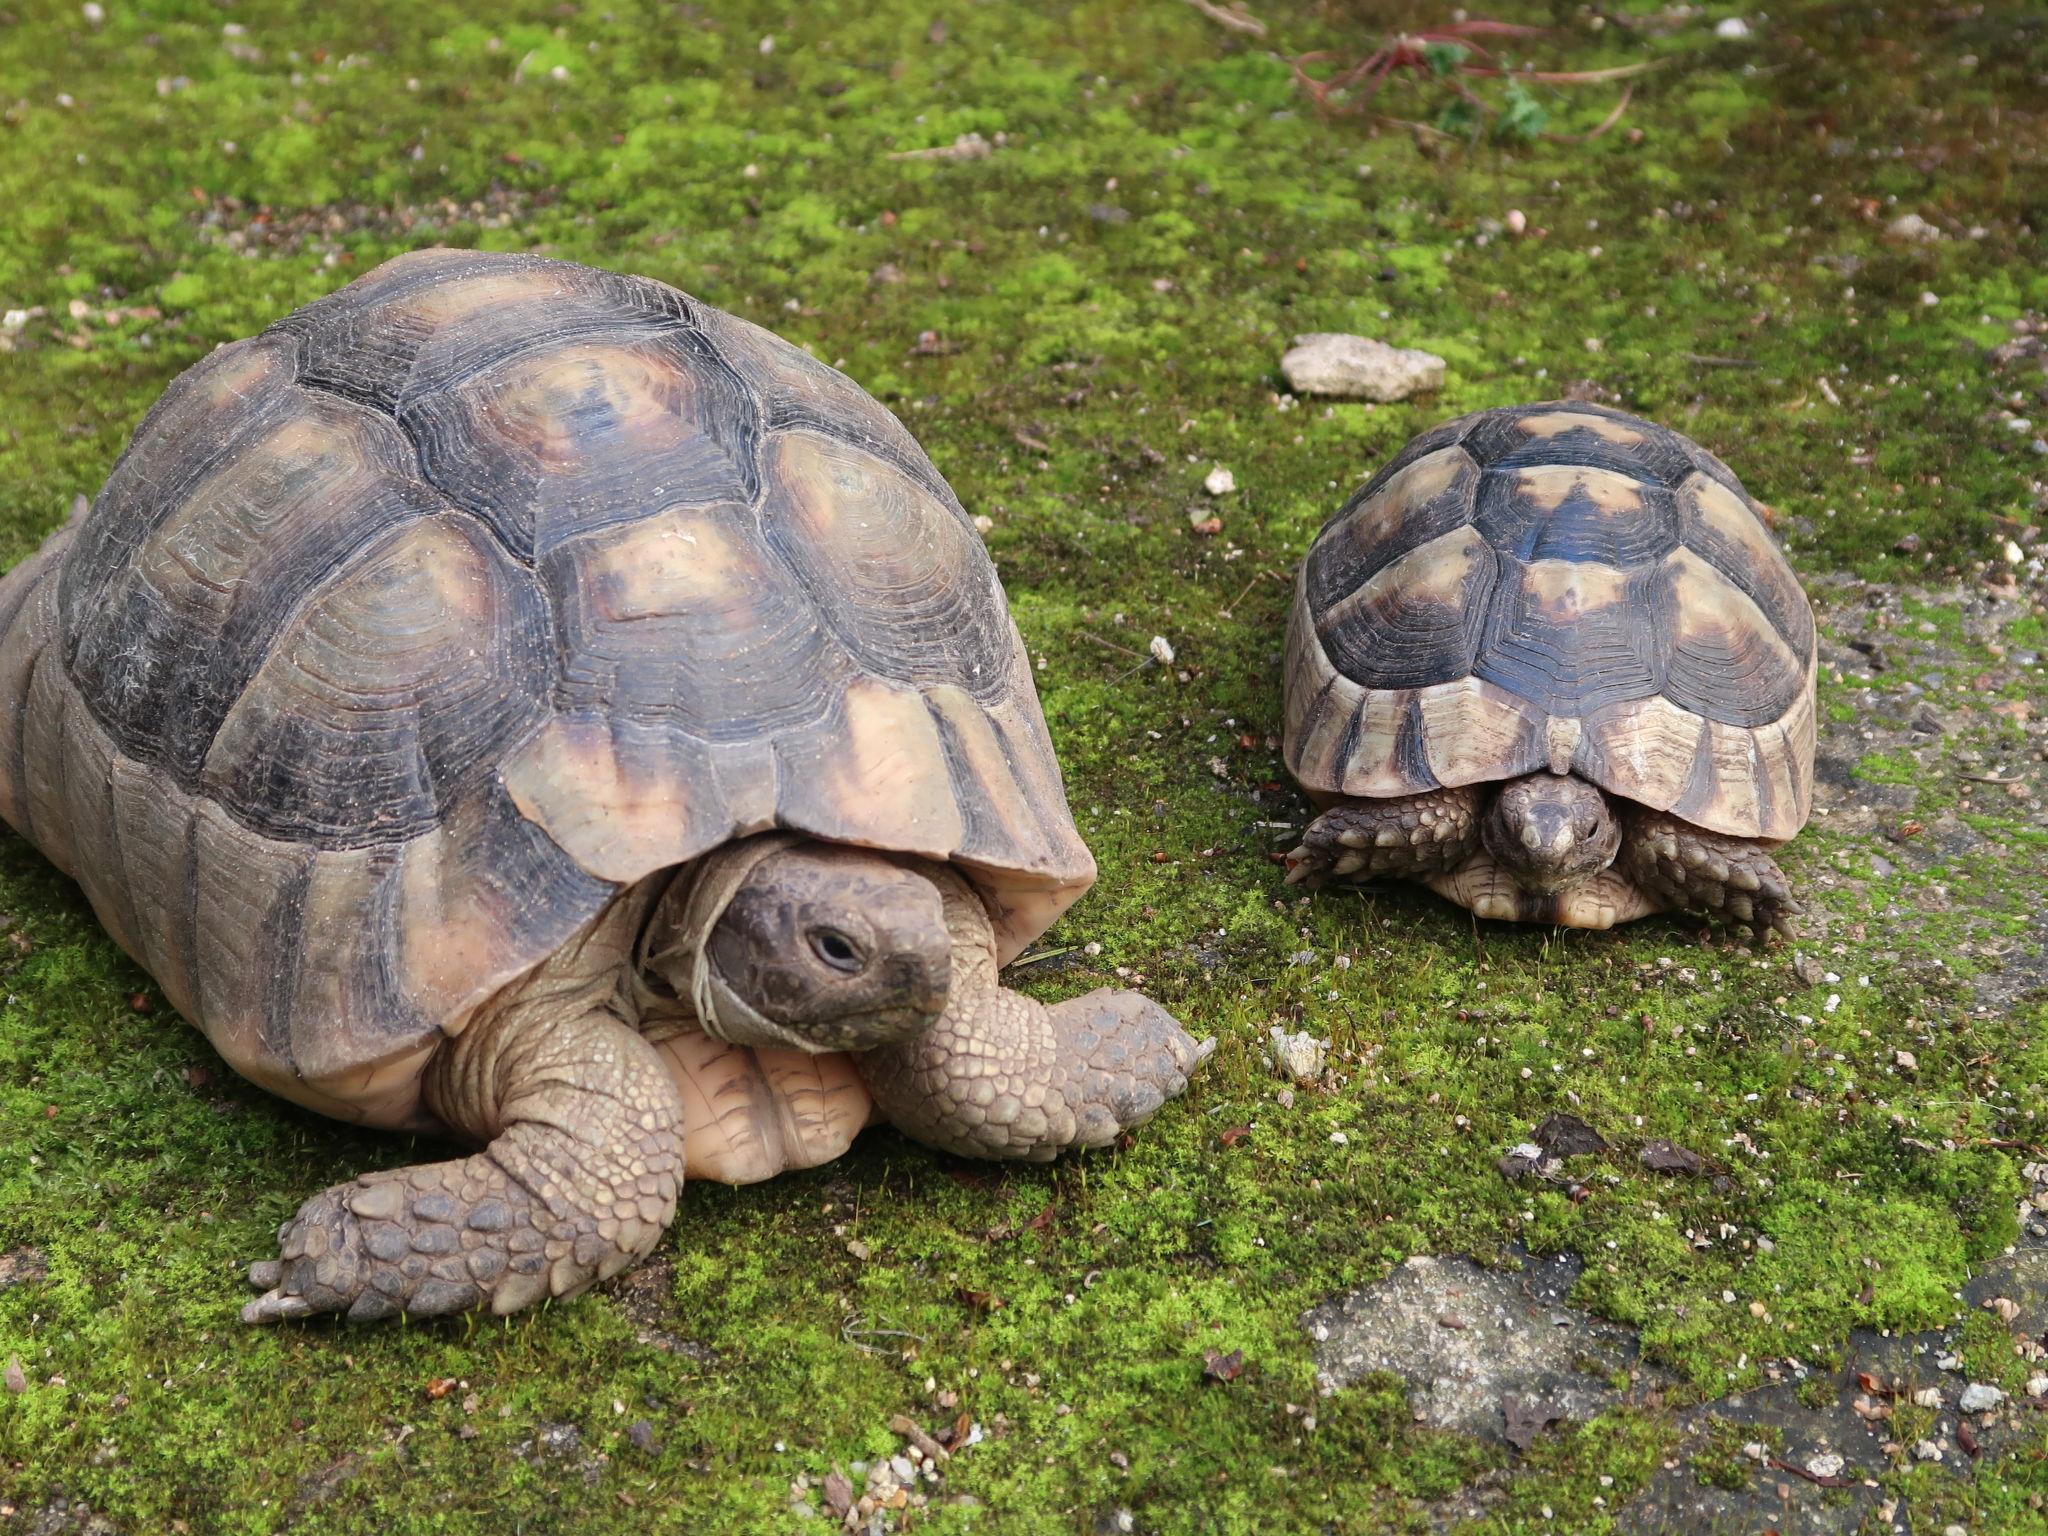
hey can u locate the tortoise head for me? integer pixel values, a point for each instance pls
(1551, 832)
(826, 948)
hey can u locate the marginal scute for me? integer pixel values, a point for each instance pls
(1474, 731)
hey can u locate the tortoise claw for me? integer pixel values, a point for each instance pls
(275, 1307)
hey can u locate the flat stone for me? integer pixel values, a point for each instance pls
(1359, 368)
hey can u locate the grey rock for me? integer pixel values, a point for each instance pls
(1359, 368)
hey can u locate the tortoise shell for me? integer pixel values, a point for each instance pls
(1556, 586)
(407, 634)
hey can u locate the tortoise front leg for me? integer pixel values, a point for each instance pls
(1410, 838)
(1692, 870)
(1002, 1075)
(580, 1178)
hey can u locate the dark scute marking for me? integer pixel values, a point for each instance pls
(282, 945)
(174, 637)
(1704, 460)
(1422, 444)
(1519, 526)
(1414, 632)
(1498, 440)
(1769, 583)
(1700, 781)
(797, 392)
(509, 871)
(1363, 539)
(419, 323)
(1411, 755)
(985, 834)
(358, 989)
(557, 442)
(1568, 663)
(205, 418)
(903, 585)
(395, 690)
(687, 620)
(1723, 667)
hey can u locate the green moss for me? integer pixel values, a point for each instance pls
(1160, 212)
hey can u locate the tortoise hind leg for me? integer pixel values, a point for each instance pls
(579, 1181)
(1409, 838)
(1694, 870)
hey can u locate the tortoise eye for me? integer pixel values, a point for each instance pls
(836, 950)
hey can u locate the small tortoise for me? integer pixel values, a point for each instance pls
(516, 701)
(1549, 662)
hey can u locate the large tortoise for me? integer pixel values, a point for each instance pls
(517, 701)
(1550, 662)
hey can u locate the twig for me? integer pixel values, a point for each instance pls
(1225, 612)
(934, 1452)
(853, 1331)
(1821, 1479)
(1989, 778)
(1237, 21)
(1718, 362)
(1607, 122)
(1108, 645)
(1041, 956)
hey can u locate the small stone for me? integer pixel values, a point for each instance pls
(1732, 27)
(1301, 1056)
(1906, 1061)
(1219, 481)
(983, 523)
(641, 1433)
(1927, 1397)
(1517, 222)
(2037, 1385)
(1910, 226)
(1161, 650)
(1359, 368)
(1926, 1450)
(2013, 553)
(1980, 1397)
(1756, 1450)
(858, 1249)
(2007, 1309)
(1827, 1464)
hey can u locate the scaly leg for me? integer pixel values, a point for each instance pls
(1693, 870)
(579, 1181)
(1003, 1075)
(1411, 838)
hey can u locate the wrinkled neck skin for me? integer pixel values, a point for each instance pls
(780, 941)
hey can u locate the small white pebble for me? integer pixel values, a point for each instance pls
(1732, 27)
(1219, 481)
(767, 45)
(1162, 650)
(93, 12)
(1517, 222)
(1339, 1139)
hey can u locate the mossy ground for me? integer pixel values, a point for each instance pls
(1078, 327)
